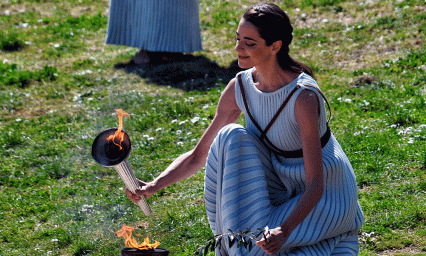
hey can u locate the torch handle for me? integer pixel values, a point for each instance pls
(129, 178)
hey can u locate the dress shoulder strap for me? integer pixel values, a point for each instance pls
(264, 138)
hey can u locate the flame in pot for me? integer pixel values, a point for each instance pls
(131, 242)
(119, 134)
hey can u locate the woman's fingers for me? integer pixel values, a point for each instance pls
(133, 197)
(271, 246)
(141, 192)
(144, 190)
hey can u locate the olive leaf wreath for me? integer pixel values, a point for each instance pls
(240, 238)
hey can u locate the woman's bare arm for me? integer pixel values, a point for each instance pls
(190, 162)
(307, 116)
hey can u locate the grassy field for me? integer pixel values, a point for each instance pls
(58, 90)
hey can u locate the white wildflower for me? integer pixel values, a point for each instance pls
(180, 143)
(410, 141)
(76, 97)
(145, 136)
(206, 106)
(178, 132)
(393, 126)
(18, 119)
(54, 240)
(325, 20)
(408, 130)
(174, 121)
(158, 129)
(57, 45)
(367, 234)
(358, 133)
(345, 100)
(7, 12)
(182, 122)
(195, 119)
(151, 138)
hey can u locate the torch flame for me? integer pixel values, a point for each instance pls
(119, 134)
(130, 242)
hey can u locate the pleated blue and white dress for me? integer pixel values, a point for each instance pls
(247, 186)
(155, 25)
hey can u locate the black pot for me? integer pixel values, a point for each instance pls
(136, 252)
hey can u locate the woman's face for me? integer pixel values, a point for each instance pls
(251, 48)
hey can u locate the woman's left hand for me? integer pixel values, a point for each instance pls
(275, 240)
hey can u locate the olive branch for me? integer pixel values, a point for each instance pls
(240, 238)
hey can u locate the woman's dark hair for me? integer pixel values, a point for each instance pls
(273, 24)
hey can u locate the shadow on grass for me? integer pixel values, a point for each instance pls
(195, 74)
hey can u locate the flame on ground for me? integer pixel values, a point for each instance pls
(119, 134)
(130, 242)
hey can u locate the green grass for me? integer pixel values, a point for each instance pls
(58, 90)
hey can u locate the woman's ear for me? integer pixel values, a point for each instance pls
(276, 46)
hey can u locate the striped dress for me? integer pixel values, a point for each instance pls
(155, 25)
(246, 186)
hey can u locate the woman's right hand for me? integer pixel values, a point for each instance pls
(145, 190)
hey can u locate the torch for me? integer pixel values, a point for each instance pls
(107, 152)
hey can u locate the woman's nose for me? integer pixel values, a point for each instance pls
(238, 47)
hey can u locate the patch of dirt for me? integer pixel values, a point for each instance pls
(410, 250)
(363, 80)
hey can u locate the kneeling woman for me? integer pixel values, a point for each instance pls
(285, 169)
